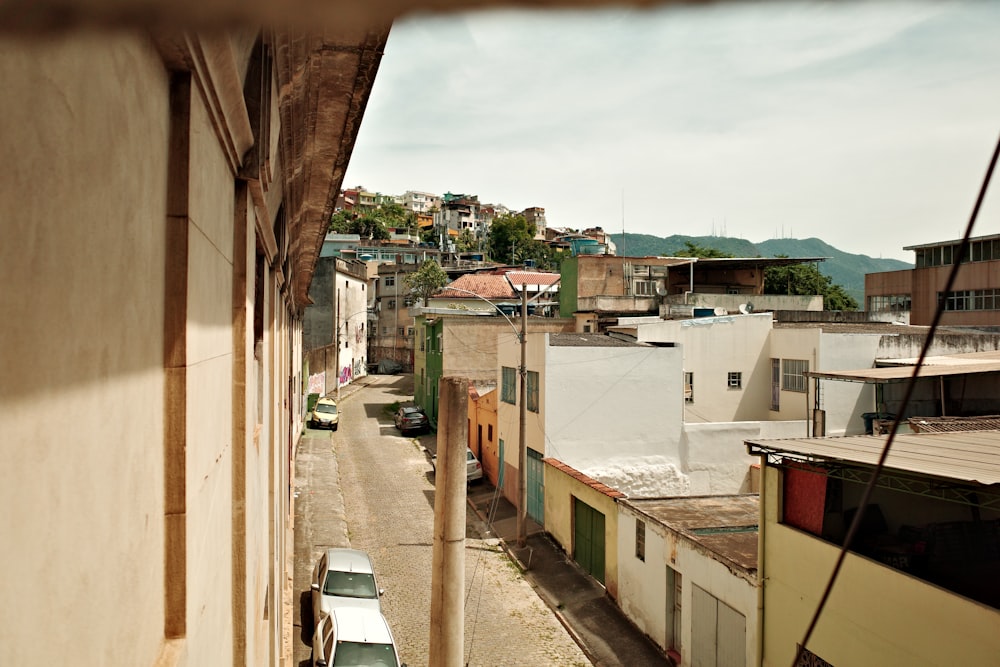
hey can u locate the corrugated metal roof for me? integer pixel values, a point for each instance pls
(951, 424)
(902, 369)
(965, 456)
(726, 525)
(588, 340)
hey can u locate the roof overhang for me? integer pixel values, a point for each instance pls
(970, 457)
(902, 369)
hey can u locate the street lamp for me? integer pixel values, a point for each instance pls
(522, 448)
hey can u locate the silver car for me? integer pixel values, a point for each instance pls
(473, 468)
(344, 578)
(354, 637)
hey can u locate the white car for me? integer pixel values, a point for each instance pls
(473, 468)
(344, 578)
(354, 637)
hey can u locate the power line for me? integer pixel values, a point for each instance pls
(910, 385)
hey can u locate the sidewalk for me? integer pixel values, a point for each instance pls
(580, 603)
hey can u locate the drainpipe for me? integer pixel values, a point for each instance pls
(762, 522)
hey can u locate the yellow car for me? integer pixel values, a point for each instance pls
(325, 414)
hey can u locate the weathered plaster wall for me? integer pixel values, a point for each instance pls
(642, 584)
(82, 386)
(713, 347)
(715, 458)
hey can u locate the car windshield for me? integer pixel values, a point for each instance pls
(356, 654)
(411, 411)
(349, 585)
(469, 456)
(326, 407)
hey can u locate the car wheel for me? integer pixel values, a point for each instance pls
(334, 427)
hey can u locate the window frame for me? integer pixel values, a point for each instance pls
(793, 375)
(508, 385)
(532, 391)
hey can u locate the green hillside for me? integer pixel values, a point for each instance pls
(845, 269)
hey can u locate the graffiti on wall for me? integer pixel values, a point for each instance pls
(317, 383)
(346, 375)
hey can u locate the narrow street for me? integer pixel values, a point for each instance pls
(367, 487)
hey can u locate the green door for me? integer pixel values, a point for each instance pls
(535, 479)
(588, 539)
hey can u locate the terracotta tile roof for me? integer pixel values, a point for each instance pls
(588, 340)
(580, 477)
(486, 286)
(532, 278)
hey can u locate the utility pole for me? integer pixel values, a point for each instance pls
(447, 626)
(336, 333)
(522, 445)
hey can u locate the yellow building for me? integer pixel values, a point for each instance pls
(920, 583)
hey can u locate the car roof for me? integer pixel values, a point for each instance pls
(327, 401)
(358, 624)
(412, 408)
(348, 560)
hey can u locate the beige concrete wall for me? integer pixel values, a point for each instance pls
(82, 387)
(875, 616)
(129, 249)
(794, 344)
(560, 490)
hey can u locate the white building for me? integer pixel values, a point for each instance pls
(687, 576)
(419, 202)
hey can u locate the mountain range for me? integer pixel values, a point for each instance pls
(845, 269)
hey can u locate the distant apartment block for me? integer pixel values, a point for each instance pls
(419, 202)
(914, 294)
(535, 216)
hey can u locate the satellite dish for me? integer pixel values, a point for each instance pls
(749, 307)
(746, 308)
(661, 290)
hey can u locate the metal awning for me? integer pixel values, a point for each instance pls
(972, 457)
(902, 369)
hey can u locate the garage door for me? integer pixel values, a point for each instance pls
(588, 542)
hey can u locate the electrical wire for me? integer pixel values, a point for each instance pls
(911, 384)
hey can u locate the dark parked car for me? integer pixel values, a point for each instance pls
(411, 418)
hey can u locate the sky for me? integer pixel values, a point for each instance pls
(868, 125)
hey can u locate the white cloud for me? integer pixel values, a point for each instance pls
(868, 125)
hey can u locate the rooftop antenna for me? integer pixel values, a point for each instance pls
(624, 254)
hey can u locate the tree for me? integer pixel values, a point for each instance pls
(366, 225)
(466, 242)
(509, 236)
(695, 250)
(426, 280)
(806, 279)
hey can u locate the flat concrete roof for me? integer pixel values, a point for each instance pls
(724, 525)
(965, 456)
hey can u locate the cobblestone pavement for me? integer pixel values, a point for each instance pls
(388, 501)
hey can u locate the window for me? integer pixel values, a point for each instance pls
(532, 391)
(508, 390)
(793, 374)
(401, 331)
(392, 304)
(688, 387)
(735, 380)
(408, 301)
(409, 332)
(385, 331)
(775, 384)
(645, 288)
(489, 432)
(640, 539)
(974, 299)
(586, 328)
(389, 281)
